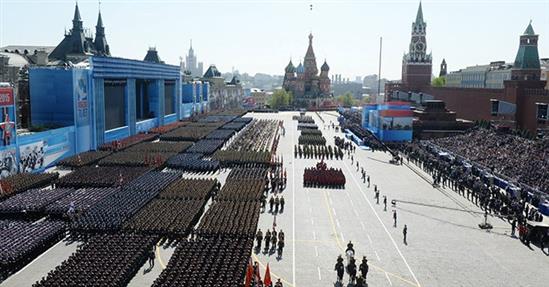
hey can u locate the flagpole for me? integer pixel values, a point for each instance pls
(379, 69)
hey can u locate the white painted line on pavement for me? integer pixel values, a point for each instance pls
(387, 276)
(362, 224)
(377, 256)
(333, 209)
(342, 238)
(314, 235)
(370, 239)
(352, 204)
(330, 199)
(316, 251)
(310, 210)
(319, 277)
(39, 256)
(384, 227)
(356, 213)
(337, 222)
(312, 221)
(293, 216)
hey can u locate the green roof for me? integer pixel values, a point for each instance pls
(529, 30)
(527, 55)
(527, 58)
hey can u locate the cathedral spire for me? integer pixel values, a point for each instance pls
(309, 62)
(310, 53)
(419, 16)
(76, 13)
(77, 21)
(100, 42)
(99, 21)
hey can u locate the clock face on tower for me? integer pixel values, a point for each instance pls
(420, 47)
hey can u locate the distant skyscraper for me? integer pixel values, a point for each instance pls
(192, 65)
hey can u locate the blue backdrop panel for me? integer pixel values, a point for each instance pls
(188, 95)
(51, 92)
(395, 135)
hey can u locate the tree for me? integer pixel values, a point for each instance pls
(347, 99)
(280, 98)
(439, 82)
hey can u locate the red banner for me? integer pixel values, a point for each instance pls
(396, 113)
(6, 97)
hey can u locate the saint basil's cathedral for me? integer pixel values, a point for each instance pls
(309, 89)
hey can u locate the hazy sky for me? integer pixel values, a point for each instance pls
(261, 35)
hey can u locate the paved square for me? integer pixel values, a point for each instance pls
(445, 246)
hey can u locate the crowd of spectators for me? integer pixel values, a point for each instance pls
(480, 187)
(522, 160)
